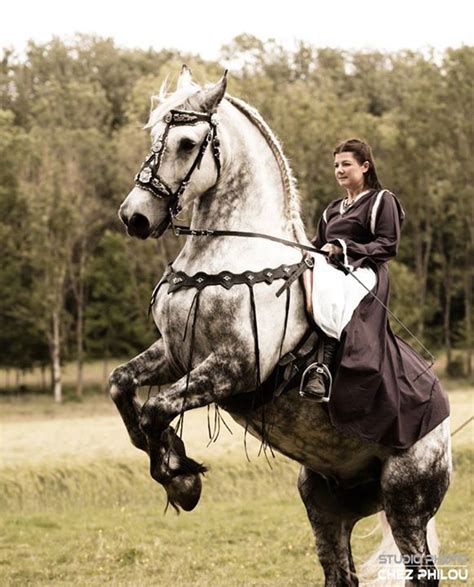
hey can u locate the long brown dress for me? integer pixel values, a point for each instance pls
(383, 391)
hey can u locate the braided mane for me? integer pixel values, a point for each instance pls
(186, 96)
(293, 208)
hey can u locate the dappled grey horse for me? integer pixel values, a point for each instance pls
(222, 330)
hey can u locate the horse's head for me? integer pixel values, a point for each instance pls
(184, 161)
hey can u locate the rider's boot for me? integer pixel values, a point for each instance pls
(317, 378)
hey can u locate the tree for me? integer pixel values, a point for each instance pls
(458, 70)
(120, 288)
(70, 144)
(20, 338)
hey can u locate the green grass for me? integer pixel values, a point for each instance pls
(103, 522)
(87, 517)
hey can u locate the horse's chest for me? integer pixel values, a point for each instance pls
(240, 321)
(202, 318)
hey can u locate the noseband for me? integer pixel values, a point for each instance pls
(148, 177)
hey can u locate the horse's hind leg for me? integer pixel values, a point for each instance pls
(414, 484)
(332, 515)
(147, 368)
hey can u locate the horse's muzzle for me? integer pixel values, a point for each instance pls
(138, 225)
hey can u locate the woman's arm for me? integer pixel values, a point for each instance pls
(385, 224)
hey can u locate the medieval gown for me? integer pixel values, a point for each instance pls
(383, 391)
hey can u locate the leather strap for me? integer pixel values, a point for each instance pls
(187, 231)
(148, 177)
(179, 279)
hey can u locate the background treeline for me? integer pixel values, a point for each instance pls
(73, 286)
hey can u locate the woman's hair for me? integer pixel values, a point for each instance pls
(362, 152)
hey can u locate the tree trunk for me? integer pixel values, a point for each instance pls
(447, 311)
(43, 377)
(421, 282)
(80, 354)
(105, 374)
(422, 240)
(56, 357)
(80, 328)
(468, 319)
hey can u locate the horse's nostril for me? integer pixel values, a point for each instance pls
(139, 225)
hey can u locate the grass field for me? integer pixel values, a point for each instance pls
(78, 506)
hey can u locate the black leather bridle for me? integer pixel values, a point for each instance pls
(148, 177)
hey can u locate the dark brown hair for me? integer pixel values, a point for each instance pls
(362, 152)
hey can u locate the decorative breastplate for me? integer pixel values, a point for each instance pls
(179, 279)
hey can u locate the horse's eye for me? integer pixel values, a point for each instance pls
(187, 145)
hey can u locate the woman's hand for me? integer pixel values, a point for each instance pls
(333, 250)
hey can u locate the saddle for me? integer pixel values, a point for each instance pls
(287, 375)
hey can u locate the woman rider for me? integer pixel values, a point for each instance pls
(374, 392)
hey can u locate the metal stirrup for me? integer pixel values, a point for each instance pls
(322, 369)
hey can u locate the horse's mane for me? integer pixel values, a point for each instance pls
(184, 97)
(289, 181)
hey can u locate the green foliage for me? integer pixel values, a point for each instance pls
(70, 143)
(116, 315)
(403, 282)
(20, 338)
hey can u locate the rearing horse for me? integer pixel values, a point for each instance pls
(222, 331)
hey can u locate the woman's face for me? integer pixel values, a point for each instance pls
(349, 173)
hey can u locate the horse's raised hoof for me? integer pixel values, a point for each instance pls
(184, 491)
(182, 475)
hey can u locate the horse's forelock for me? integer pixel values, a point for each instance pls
(169, 101)
(191, 97)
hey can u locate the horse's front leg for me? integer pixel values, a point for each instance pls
(148, 368)
(212, 380)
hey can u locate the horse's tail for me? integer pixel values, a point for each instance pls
(384, 566)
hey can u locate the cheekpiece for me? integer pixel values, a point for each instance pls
(148, 177)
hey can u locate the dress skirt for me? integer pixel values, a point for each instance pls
(336, 295)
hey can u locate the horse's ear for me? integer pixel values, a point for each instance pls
(185, 78)
(214, 94)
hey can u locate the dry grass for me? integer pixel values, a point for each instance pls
(34, 429)
(80, 508)
(95, 375)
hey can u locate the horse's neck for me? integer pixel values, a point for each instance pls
(250, 196)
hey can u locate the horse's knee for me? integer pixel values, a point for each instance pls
(121, 380)
(153, 418)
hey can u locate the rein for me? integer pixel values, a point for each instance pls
(306, 263)
(180, 230)
(149, 179)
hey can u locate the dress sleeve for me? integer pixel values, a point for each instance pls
(319, 239)
(384, 223)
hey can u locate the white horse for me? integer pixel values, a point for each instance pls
(222, 331)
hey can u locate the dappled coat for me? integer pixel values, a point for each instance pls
(383, 390)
